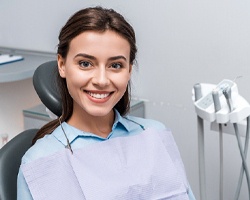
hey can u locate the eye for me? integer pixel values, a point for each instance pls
(84, 64)
(116, 65)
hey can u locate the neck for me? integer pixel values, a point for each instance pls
(98, 125)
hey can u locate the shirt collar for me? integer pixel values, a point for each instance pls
(72, 133)
(119, 120)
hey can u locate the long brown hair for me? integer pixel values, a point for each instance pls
(94, 19)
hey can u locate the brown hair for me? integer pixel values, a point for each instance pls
(90, 19)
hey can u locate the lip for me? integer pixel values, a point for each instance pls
(98, 96)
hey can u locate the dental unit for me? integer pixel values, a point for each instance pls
(227, 111)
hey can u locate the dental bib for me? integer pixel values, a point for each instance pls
(146, 166)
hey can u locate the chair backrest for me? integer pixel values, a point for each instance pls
(10, 160)
(45, 84)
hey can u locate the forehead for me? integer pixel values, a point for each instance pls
(100, 44)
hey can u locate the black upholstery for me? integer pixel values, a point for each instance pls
(44, 81)
(10, 159)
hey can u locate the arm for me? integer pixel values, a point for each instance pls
(22, 188)
(191, 194)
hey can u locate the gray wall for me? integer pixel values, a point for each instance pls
(180, 43)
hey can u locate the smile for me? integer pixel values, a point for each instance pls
(98, 95)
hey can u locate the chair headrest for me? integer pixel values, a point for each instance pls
(45, 84)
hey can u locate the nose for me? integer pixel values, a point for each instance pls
(100, 77)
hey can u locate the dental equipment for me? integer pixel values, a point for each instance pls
(221, 104)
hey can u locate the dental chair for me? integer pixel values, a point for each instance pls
(44, 81)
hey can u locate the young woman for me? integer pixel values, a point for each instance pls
(109, 154)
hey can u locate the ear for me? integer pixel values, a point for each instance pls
(130, 67)
(61, 65)
(130, 70)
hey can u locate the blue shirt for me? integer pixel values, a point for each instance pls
(51, 143)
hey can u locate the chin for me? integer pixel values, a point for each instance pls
(100, 112)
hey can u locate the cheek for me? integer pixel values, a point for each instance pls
(122, 81)
(75, 82)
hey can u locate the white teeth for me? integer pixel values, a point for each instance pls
(98, 96)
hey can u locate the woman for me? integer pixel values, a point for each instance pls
(108, 154)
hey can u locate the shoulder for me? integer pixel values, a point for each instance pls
(43, 147)
(147, 123)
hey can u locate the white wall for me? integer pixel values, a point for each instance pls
(180, 43)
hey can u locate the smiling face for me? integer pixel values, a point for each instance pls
(97, 71)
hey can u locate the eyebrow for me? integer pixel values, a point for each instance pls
(94, 58)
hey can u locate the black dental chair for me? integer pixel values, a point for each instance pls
(44, 81)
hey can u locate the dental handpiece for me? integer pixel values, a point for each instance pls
(227, 93)
(216, 99)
